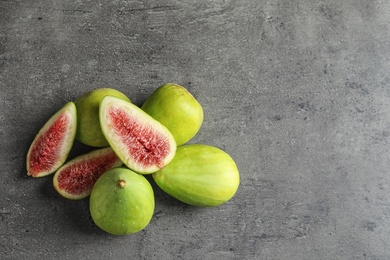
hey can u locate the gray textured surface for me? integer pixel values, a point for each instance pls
(298, 92)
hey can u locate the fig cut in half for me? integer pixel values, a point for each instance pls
(75, 179)
(52, 144)
(142, 143)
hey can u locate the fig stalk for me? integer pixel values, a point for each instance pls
(121, 183)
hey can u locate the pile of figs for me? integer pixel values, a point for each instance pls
(129, 142)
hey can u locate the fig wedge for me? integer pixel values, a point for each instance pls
(51, 146)
(75, 179)
(142, 143)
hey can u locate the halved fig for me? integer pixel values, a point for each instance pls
(52, 144)
(75, 179)
(141, 142)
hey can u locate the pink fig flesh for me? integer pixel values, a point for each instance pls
(52, 144)
(75, 179)
(143, 144)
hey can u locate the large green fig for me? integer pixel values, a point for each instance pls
(177, 109)
(88, 126)
(199, 175)
(122, 202)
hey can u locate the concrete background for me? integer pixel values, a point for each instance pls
(297, 92)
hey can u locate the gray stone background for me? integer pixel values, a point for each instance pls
(297, 92)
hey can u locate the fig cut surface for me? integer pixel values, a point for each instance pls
(51, 146)
(141, 142)
(75, 179)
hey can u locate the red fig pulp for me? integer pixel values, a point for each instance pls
(75, 179)
(141, 142)
(52, 144)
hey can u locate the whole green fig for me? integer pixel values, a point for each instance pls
(122, 202)
(177, 109)
(88, 126)
(199, 175)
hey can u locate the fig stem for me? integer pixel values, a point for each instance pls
(121, 183)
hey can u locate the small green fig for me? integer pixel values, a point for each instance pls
(199, 175)
(177, 109)
(122, 202)
(88, 125)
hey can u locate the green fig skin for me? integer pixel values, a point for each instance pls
(177, 109)
(88, 125)
(200, 175)
(122, 202)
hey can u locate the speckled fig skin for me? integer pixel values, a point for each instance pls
(51, 146)
(88, 126)
(200, 175)
(142, 143)
(177, 109)
(122, 202)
